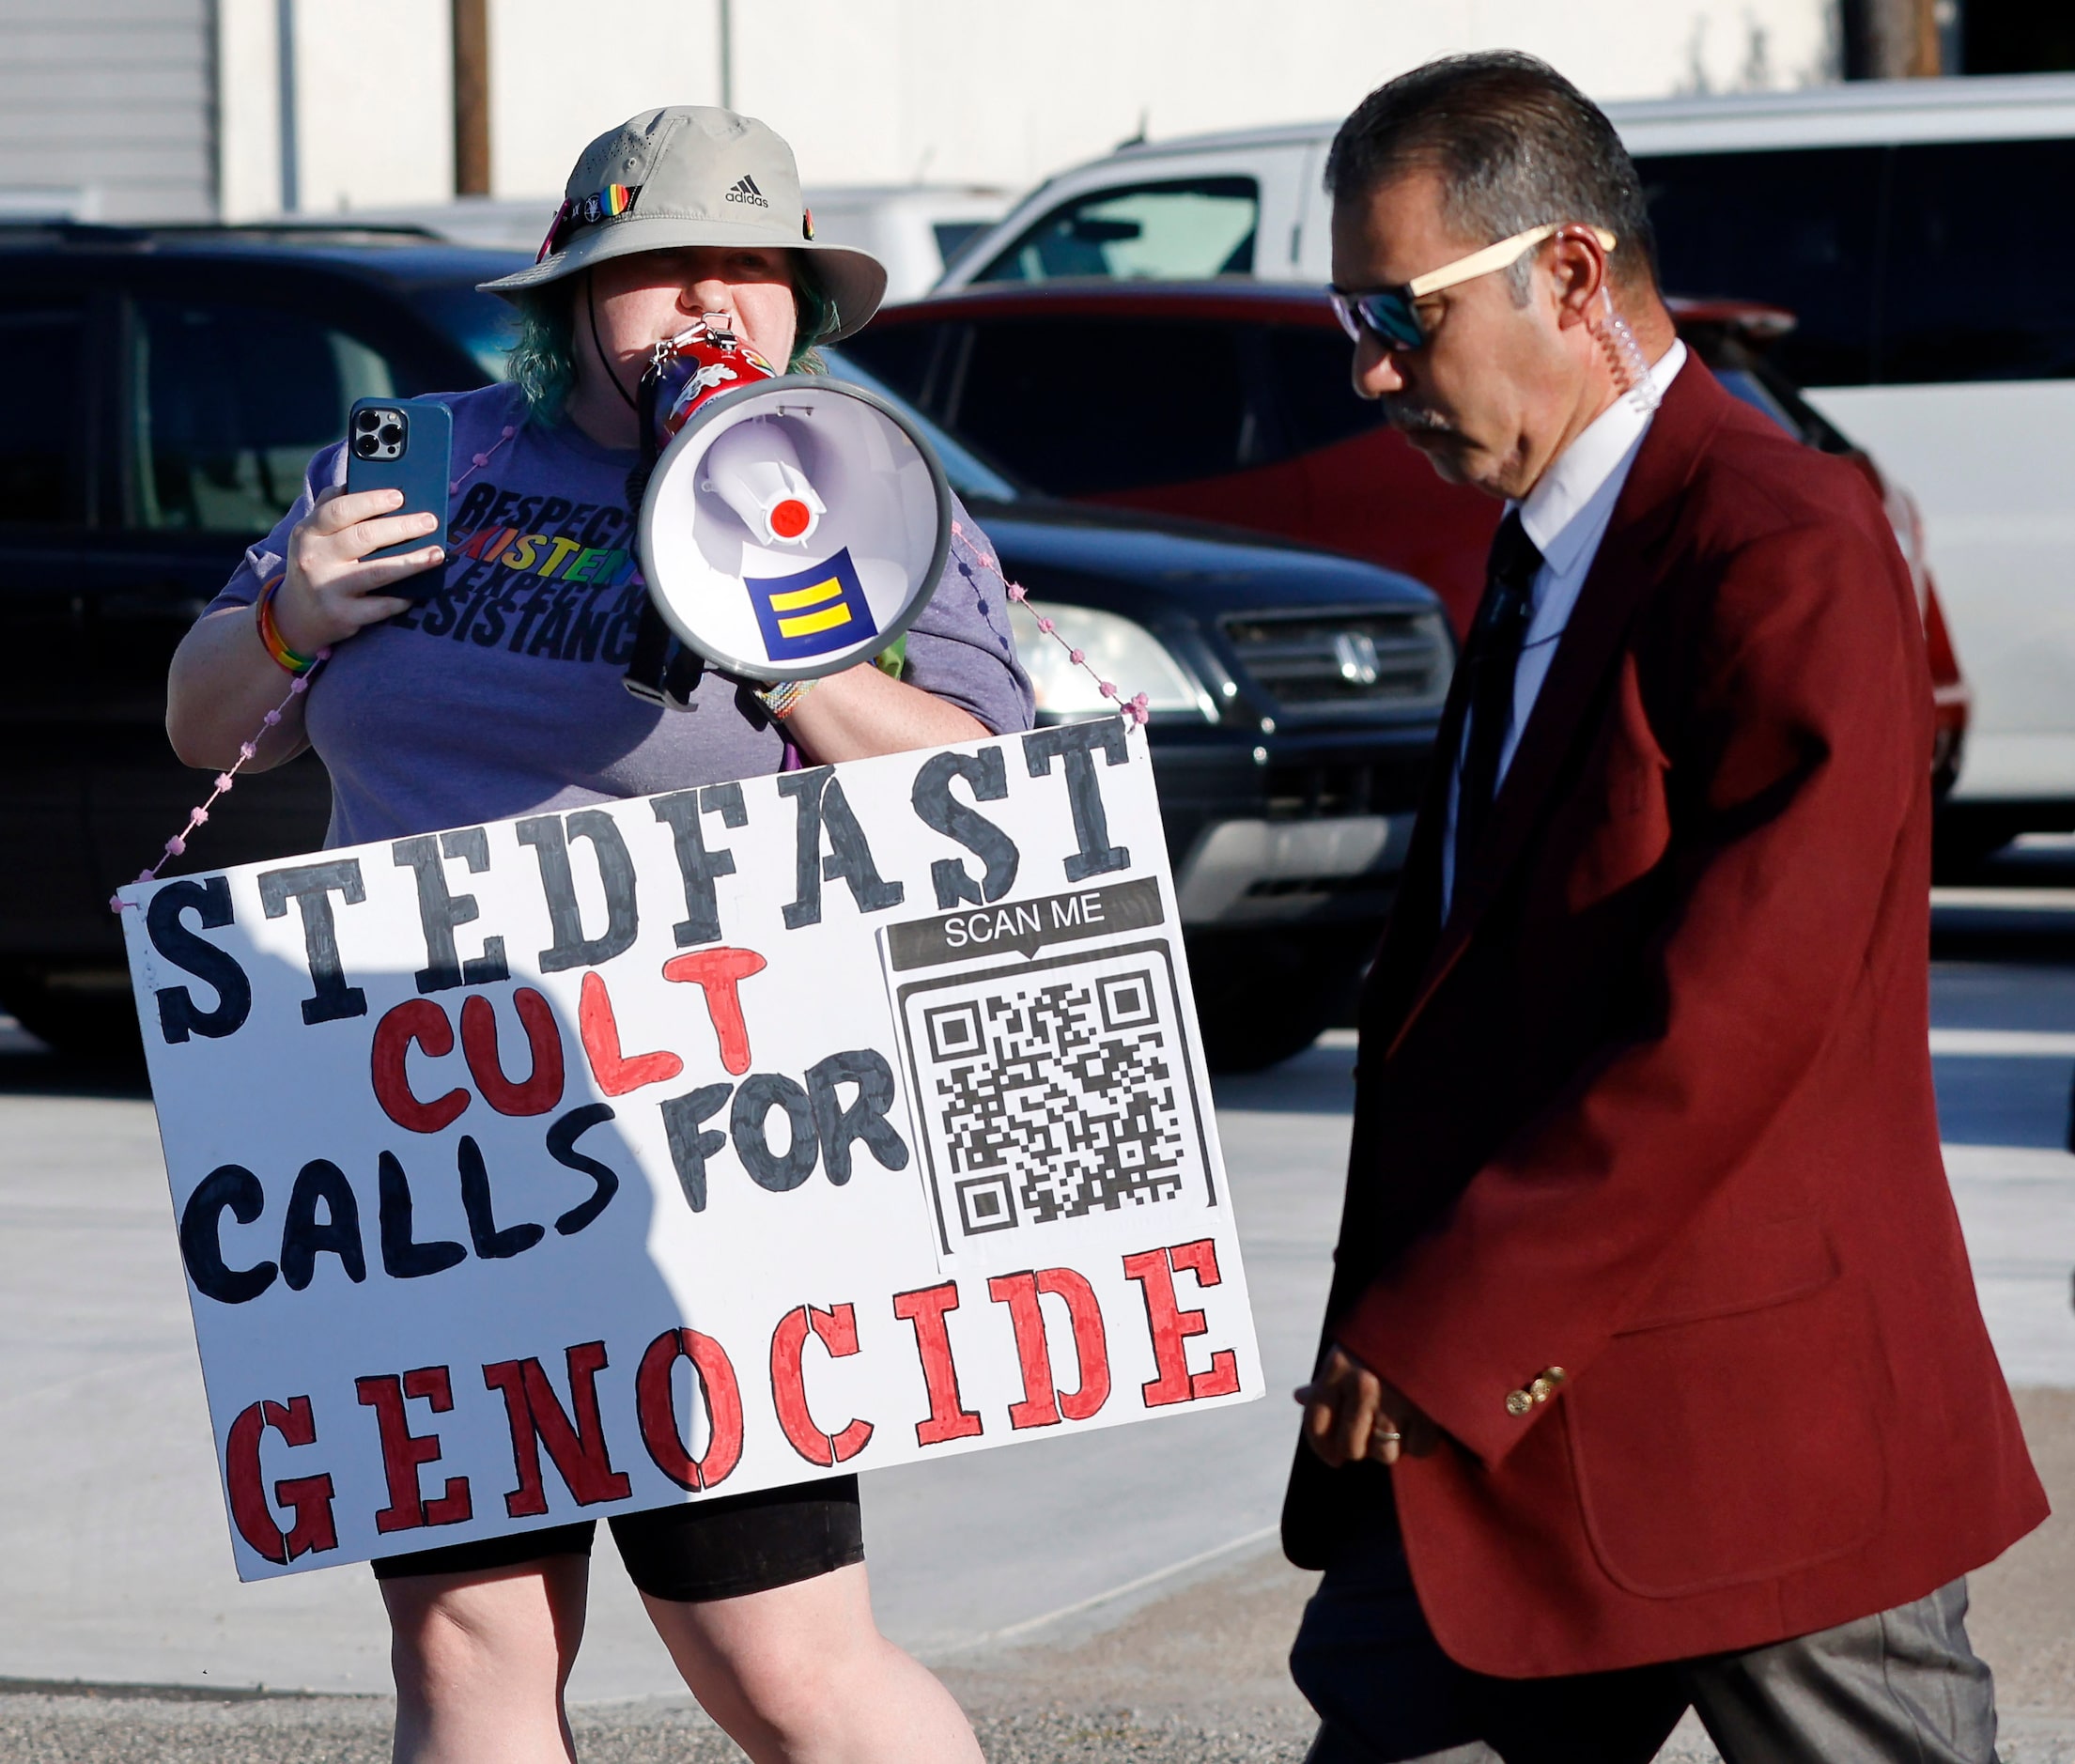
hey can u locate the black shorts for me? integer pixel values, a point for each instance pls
(721, 1548)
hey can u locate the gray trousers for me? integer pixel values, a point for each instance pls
(1899, 1687)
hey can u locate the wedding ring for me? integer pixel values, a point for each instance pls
(1387, 1435)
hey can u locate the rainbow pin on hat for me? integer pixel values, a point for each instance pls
(693, 174)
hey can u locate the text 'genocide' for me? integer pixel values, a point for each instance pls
(572, 1434)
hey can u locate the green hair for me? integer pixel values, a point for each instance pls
(543, 360)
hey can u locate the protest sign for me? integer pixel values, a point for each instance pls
(603, 1159)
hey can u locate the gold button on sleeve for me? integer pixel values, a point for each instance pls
(1541, 1389)
(1518, 1402)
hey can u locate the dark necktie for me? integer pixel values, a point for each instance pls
(1493, 659)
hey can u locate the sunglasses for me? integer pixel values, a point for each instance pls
(1391, 315)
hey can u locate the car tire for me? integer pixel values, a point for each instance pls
(1262, 998)
(85, 1014)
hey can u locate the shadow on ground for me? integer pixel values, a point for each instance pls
(1194, 1677)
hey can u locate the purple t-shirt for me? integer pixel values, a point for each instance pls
(502, 695)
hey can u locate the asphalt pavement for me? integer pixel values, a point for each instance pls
(1109, 1596)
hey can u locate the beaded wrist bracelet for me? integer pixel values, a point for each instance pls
(781, 697)
(289, 660)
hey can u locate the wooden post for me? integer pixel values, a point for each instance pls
(1926, 61)
(472, 97)
(1891, 40)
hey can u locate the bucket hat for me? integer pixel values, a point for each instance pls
(693, 174)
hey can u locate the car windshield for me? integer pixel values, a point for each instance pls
(1200, 226)
(969, 474)
(487, 327)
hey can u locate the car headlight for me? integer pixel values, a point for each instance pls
(1119, 651)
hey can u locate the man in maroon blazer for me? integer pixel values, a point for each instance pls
(1653, 1373)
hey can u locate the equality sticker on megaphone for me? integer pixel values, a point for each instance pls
(794, 527)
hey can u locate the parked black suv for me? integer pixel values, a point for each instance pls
(160, 392)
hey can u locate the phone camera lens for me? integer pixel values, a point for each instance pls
(366, 446)
(365, 422)
(393, 435)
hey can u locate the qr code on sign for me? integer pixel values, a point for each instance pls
(1054, 1090)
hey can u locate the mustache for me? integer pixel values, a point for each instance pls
(1414, 418)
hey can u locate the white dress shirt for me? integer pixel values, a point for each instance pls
(1566, 515)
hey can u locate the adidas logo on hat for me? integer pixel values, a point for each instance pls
(744, 189)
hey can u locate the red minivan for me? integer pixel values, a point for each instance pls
(1230, 401)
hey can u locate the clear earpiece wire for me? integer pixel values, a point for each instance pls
(1625, 355)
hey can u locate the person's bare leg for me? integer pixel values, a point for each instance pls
(800, 1674)
(481, 1660)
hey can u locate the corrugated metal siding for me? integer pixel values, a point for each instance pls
(112, 97)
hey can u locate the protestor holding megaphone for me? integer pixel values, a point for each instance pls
(680, 268)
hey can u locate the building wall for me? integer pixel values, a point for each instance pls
(372, 104)
(993, 92)
(561, 75)
(887, 91)
(106, 109)
(375, 104)
(248, 81)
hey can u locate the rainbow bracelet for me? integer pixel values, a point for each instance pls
(781, 697)
(289, 660)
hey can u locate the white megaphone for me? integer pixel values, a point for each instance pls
(794, 527)
(754, 468)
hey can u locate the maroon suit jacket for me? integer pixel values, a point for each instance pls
(1650, 1118)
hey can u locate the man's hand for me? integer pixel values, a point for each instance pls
(1350, 1413)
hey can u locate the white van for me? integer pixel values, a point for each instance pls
(1919, 229)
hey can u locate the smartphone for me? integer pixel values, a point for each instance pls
(404, 444)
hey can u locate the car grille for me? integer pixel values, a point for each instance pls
(1389, 784)
(1317, 664)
